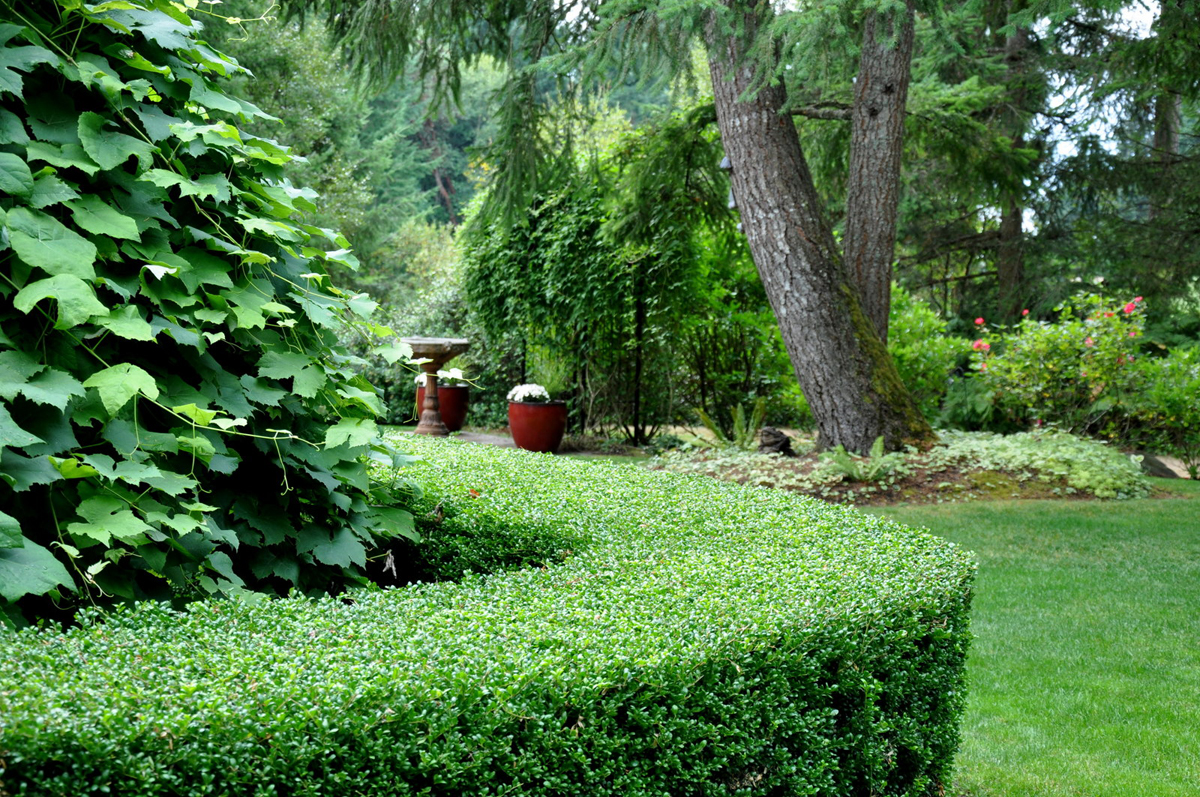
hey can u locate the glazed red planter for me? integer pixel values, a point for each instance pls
(452, 404)
(537, 426)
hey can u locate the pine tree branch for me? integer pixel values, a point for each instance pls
(957, 278)
(973, 242)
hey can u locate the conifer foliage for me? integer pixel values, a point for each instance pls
(175, 417)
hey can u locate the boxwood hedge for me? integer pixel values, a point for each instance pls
(697, 638)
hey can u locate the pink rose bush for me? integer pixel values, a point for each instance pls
(1072, 372)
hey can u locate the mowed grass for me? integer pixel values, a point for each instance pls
(1084, 676)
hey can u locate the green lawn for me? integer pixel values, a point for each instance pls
(1084, 675)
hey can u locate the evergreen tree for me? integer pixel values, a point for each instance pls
(840, 360)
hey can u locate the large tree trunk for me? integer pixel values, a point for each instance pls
(1168, 114)
(1010, 256)
(843, 367)
(1010, 260)
(876, 145)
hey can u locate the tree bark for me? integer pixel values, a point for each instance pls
(1168, 115)
(1010, 260)
(876, 146)
(843, 367)
(1010, 255)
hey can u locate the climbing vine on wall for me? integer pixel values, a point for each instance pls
(175, 415)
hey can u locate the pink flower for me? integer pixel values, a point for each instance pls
(1133, 333)
(978, 345)
(1024, 312)
(1089, 342)
(1137, 298)
(1129, 308)
(979, 321)
(983, 366)
(1108, 315)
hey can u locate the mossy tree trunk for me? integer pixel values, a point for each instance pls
(840, 361)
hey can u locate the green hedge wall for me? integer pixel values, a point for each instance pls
(697, 638)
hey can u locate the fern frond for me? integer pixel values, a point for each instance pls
(711, 426)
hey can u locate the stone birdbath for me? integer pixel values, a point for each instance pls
(436, 352)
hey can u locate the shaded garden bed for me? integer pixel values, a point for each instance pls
(964, 466)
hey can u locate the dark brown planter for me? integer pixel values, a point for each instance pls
(452, 404)
(537, 426)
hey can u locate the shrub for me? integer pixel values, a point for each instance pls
(699, 638)
(925, 356)
(174, 413)
(1072, 372)
(1169, 405)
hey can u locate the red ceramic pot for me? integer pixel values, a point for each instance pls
(537, 426)
(452, 404)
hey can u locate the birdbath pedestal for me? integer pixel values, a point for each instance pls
(436, 352)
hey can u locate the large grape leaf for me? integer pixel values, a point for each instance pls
(167, 33)
(109, 148)
(11, 129)
(204, 269)
(355, 431)
(282, 364)
(15, 177)
(55, 431)
(16, 368)
(13, 435)
(309, 381)
(53, 118)
(204, 186)
(107, 517)
(65, 157)
(22, 59)
(49, 190)
(22, 472)
(128, 323)
(96, 216)
(119, 383)
(393, 351)
(396, 522)
(156, 122)
(30, 570)
(44, 242)
(77, 301)
(53, 387)
(343, 549)
(10, 532)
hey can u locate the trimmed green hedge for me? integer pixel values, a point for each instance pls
(698, 638)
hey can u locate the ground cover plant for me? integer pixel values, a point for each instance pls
(962, 466)
(1083, 669)
(698, 637)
